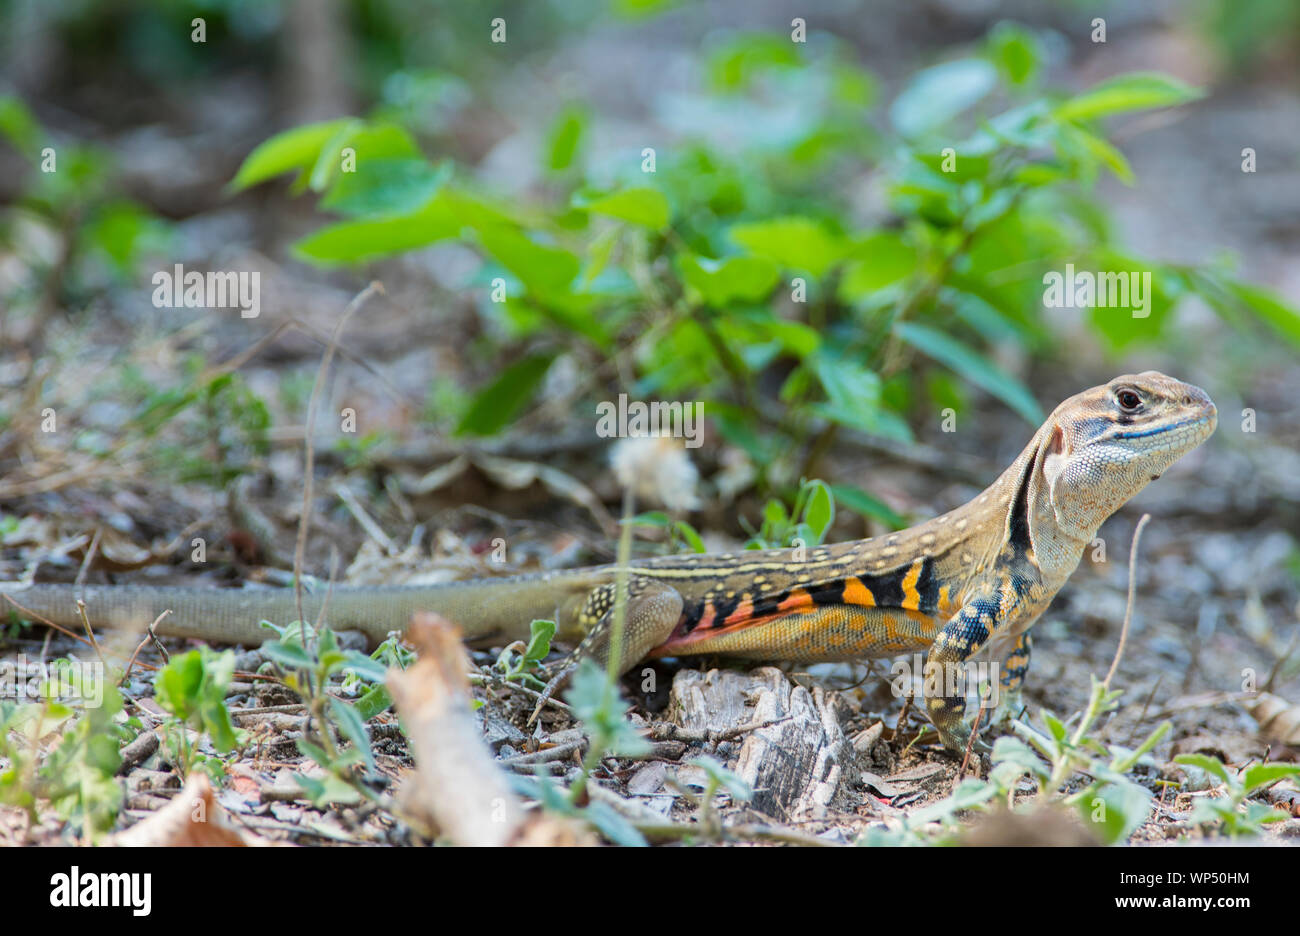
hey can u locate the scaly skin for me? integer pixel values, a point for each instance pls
(973, 579)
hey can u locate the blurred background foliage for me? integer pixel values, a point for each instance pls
(801, 242)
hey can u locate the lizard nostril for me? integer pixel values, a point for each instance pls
(1187, 400)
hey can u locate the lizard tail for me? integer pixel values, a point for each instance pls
(492, 612)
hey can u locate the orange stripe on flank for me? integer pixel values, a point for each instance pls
(945, 602)
(744, 611)
(911, 597)
(797, 602)
(858, 594)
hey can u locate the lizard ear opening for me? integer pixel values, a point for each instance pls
(1055, 458)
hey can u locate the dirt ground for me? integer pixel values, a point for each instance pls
(1216, 608)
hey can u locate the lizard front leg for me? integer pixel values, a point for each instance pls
(989, 614)
(1014, 666)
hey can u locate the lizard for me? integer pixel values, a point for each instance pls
(971, 580)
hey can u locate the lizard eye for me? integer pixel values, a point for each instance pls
(1128, 400)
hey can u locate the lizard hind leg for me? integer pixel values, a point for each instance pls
(652, 610)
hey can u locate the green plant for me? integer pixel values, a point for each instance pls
(76, 774)
(680, 533)
(69, 188)
(805, 524)
(740, 280)
(220, 425)
(311, 660)
(603, 715)
(1231, 814)
(719, 778)
(516, 666)
(192, 688)
(1113, 805)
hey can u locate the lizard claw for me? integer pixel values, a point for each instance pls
(958, 741)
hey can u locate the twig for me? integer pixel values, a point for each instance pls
(367, 523)
(970, 743)
(89, 558)
(1132, 590)
(304, 522)
(140, 646)
(497, 680)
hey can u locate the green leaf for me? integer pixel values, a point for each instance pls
(293, 149)
(367, 142)
(733, 65)
(688, 533)
(1011, 750)
(289, 655)
(1015, 51)
(1126, 807)
(1211, 765)
(1054, 725)
(722, 282)
(795, 242)
(372, 703)
(353, 728)
(1135, 91)
(613, 825)
(885, 260)
(860, 501)
(357, 241)
(1259, 775)
(722, 777)
(1096, 150)
(565, 138)
(18, 125)
(176, 687)
(854, 393)
(645, 206)
(936, 95)
(499, 402)
(539, 642)
(385, 186)
(820, 512)
(363, 666)
(969, 364)
(546, 271)
(1270, 309)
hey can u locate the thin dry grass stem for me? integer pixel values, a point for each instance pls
(304, 522)
(1132, 592)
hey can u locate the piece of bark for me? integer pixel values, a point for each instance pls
(457, 785)
(796, 757)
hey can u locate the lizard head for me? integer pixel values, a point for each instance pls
(1101, 447)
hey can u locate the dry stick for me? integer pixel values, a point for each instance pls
(1132, 589)
(304, 522)
(89, 558)
(970, 743)
(150, 636)
(90, 632)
